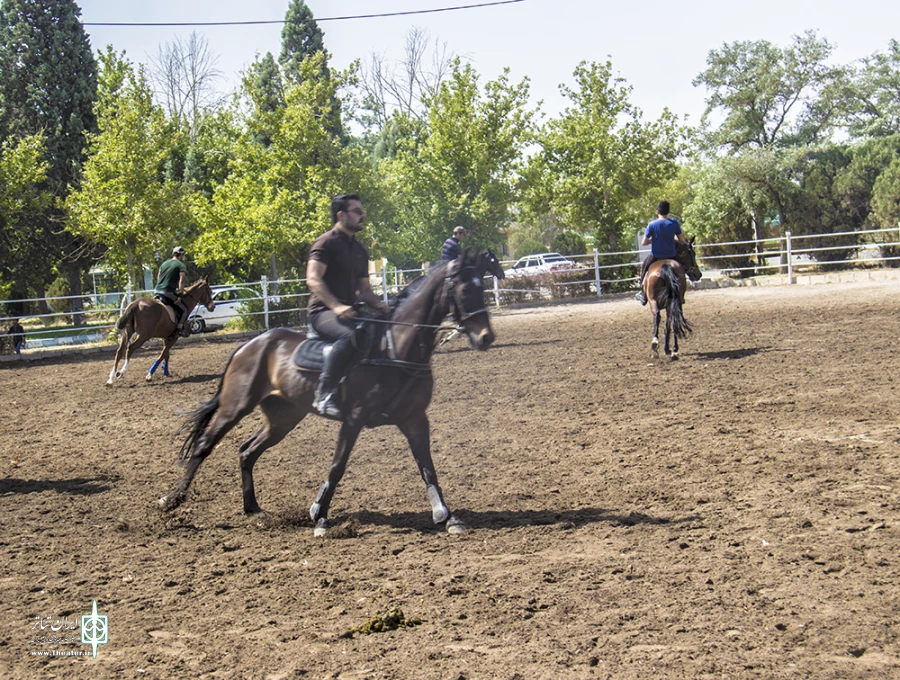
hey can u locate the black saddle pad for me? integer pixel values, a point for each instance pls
(310, 355)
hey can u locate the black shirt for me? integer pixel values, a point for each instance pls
(346, 260)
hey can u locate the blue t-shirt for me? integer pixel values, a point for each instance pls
(662, 235)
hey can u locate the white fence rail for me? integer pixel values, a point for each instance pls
(284, 301)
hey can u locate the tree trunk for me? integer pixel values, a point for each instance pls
(274, 281)
(43, 307)
(757, 246)
(73, 274)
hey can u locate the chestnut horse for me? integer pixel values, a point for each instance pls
(394, 389)
(664, 286)
(145, 318)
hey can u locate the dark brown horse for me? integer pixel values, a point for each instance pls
(393, 390)
(145, 318)
(664, 286)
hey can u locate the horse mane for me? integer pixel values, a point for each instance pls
(415, 288)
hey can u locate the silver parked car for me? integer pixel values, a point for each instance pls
(540, 263)
(227, 301)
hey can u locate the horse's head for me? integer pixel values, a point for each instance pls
(201, 293)
(465, 290)
(489, 264)
(688, 258)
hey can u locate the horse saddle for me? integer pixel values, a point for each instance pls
(168, 306)
(310, 355)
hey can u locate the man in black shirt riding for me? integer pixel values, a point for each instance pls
(338, 276)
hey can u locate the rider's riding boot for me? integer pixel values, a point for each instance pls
(180, 329)
(326, 401)
(640, 297)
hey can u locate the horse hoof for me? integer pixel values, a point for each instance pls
(321, 528)
(166, 504)
(439, 511)
(455, 526)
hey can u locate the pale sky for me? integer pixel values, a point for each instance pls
(658, 47)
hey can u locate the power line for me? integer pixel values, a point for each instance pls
(256, 23)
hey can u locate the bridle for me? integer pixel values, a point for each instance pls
(450, 298)
(204, 292)
(460, 313)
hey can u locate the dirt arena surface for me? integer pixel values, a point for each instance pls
(730, 515)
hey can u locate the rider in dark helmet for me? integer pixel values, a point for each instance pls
(663, 235)
(338, 275)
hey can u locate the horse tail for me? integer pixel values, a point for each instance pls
(127, 316)
(198, 420)
(672, 302)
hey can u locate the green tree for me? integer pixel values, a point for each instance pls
(124, 202)
(48, 87)
(601, 155)
(301, 38)
(876, 89)
(265, 87)
(772, 97)
(568, 243)
(23, 168)
(459, 168)
(720, 211)
(276, 198)
(886, 196)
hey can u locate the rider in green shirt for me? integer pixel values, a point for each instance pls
(170, 286)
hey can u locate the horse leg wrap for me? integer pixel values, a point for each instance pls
(154, 367)
(166, 368)
(439, 511)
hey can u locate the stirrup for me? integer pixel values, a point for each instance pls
(640, 297)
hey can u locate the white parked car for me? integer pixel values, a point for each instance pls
(540, 263)
(227, 301)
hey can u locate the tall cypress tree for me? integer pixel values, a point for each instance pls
(48, 85)
(301, 37)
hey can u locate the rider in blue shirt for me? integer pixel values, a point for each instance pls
(452, 248)
(662, 236)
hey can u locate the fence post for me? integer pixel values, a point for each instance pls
(384, 290)
(127, 294)
(264, 284)
(496, 292)
(597, 272)
(790, 263)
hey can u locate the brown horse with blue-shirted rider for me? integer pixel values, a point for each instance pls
(390, 386)
(145, 318)
(664, 286)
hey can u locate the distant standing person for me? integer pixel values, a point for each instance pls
(452, 247)
(18, 336)
(170, 287)
(662, 235)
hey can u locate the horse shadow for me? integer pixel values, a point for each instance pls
(732, 353)
(499, 345)
(514, 519)
(78, 486)
(202, 378)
